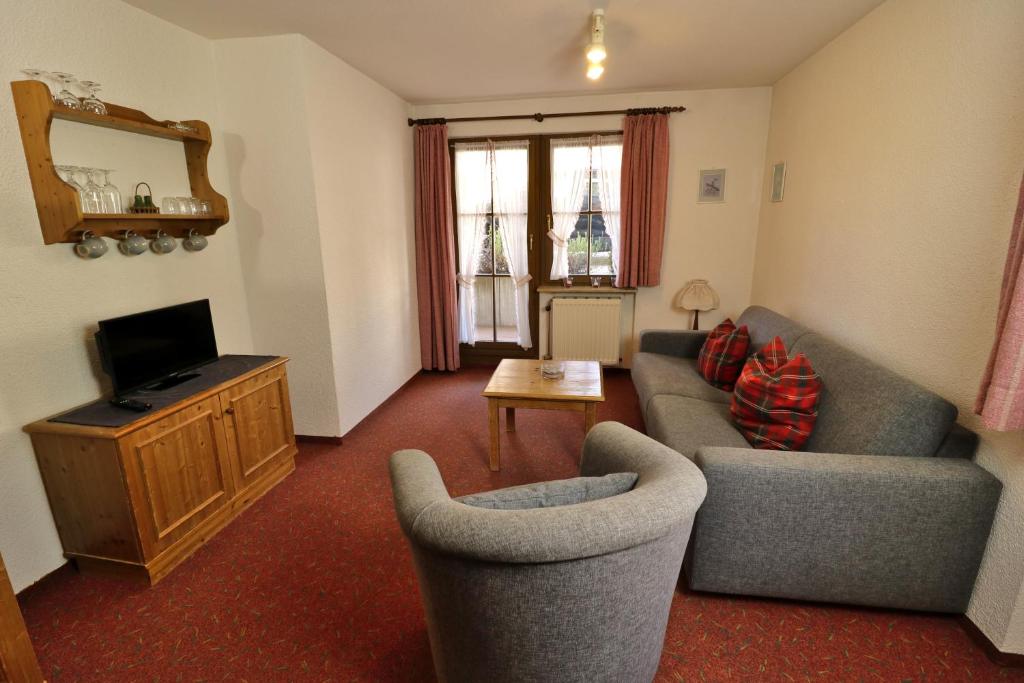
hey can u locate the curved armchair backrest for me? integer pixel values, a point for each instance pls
(580, 592)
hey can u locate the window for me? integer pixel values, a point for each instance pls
(584, 225)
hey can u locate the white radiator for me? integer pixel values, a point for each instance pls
(586, 328)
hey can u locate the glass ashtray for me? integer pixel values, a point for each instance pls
(552, 370)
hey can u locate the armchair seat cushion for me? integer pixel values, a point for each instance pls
(553, 493)
(655, 373)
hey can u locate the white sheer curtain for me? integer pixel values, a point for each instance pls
(473, 199)
(511, 176)
(607, 159)
(570, 170)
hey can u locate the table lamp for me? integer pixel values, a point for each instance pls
(697, 296)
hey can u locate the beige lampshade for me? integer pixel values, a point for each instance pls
(697, 295)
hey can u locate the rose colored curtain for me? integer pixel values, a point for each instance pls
(435, 250)
(644, 192)
(1001, 398)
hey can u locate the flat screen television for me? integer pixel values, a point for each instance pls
(158, 347)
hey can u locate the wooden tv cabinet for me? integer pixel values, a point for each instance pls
(137, 500)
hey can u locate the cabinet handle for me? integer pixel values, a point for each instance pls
(229, 411)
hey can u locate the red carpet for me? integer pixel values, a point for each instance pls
(315, 581)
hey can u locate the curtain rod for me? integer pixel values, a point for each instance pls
(540, 117)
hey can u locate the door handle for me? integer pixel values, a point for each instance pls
(530, 243)
(229, 411)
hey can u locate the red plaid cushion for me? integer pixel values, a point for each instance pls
(721, 358)
(776, 399)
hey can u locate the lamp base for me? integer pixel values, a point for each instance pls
(696, 320)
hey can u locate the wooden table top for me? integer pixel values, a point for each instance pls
(519, 378)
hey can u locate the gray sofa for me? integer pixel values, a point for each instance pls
(884, 507)
(571, 593)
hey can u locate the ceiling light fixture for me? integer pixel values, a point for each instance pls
(596, 52)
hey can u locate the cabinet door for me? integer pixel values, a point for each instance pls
(258, 425)
(178, 473)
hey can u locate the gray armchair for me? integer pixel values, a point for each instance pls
(571, 593)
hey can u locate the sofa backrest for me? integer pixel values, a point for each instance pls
(864, 408)
(764, 325)
(869, 410)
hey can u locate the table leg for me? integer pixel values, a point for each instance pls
(591, 417)
(495, 456)
(510, 419)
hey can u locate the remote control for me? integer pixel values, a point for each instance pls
(130, 404)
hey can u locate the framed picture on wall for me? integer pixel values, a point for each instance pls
(712, 185)
(778, 181)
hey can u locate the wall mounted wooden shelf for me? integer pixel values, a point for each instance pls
(60, 214)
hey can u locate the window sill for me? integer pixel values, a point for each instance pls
(584, 289)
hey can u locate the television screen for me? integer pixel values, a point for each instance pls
(142, 349)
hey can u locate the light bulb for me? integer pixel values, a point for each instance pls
(596, 53)
(594, 71)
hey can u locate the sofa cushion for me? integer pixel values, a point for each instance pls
(774, 404)
(685, 424)
(553, 493)
(654, 374)
(722, 355)
(869, 410)
(764, 325)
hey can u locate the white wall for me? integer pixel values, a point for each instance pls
(321, 160)
(720, 129)
(53, 299)
(266, 135)
(903, 141)
(363, 174)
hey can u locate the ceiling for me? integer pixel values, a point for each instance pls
(454, 50)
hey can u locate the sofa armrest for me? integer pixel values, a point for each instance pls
(885, 531)
(679, 343)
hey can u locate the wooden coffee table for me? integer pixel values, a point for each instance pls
(519, 384)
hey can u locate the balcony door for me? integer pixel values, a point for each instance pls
(497, 251)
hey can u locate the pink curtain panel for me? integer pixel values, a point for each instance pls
(1001, 398)
(644, 192)
(435, 251)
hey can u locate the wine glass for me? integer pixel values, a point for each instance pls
(110, 196)
(67, 174)
(64, 96)
(91, 102)
(92, 196)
